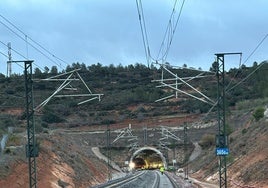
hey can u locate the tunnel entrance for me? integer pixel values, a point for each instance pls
(147, 158)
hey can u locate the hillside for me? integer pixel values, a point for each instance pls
(129, 97)
(248, 159)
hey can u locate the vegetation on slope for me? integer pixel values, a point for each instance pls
(130, 94)
(247, 161)
(123, 87)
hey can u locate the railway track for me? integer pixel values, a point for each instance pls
(146, 178)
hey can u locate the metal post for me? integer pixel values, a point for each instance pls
(221, 139)
(9, 71)
(145, 135)
(108, 142)
(31, 149)
(221, 119)
(185, 152)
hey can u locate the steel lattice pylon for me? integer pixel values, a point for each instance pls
(222, 141)
(221, 117)
(31, 149)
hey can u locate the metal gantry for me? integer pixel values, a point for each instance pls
(166, 137)
(127, 135)
(66, 79)
(174, 82)
(221, 139)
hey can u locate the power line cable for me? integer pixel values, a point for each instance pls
(3, 54)
(36, 43)
(256, 48)
(29, 44)
(258, 67)
(170, 31)
(250, 55)
(173, 31)
(235, 75)
(21, 56)
(143, 31)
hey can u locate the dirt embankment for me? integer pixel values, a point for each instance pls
(60, 163)
(67, 162)
(247, 161)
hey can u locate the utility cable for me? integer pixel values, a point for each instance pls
(4, 54)
(143, 30)
(251, 54)
(258, 67)
(240, 64)
(21, 56)
(27, 37)
(256, 48)
(27, 42)
(170, 31)
(168, 36)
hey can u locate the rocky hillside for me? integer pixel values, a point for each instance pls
(65, 161)
(248, 159)
(129, 97)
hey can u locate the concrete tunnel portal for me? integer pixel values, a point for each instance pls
(147, 158)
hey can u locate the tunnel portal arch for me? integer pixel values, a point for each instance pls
(152, 149)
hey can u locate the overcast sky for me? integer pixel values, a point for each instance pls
(108, 32)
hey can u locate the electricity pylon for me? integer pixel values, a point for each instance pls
(222, 149)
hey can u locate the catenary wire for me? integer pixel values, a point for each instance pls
(250, 55)
(258, 67)
(170, 31)
(21, 56)
(27, 42)
(255, 49)
(38, 44)
(143, 31)
(3, 54)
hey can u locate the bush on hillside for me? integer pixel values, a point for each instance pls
(50, 116)
(258, 113)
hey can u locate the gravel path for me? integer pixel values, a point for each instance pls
(196, 152)
(97, 152)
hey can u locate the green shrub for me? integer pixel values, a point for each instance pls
(51, 118)
(7, 151)
(229, 129)
(229, 158)
(244, 131)
(258, 113)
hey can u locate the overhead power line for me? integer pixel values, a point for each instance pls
(250, 55)
(18, 54)
(258, 67)
(170, 31)
(143, 31)
(255, 49)
(168, 36)
(4, 54)
(34, 44)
